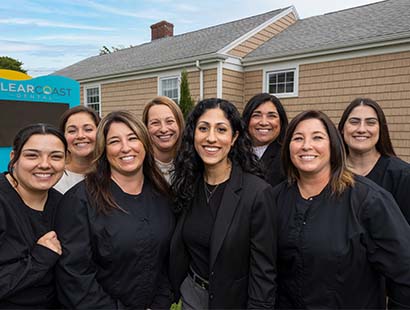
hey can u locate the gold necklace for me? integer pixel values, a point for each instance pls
(209, 193)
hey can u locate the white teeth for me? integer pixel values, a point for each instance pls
(82, 144)
(127, 158)
(308, 157)
(211, 149)
(43, 175)
(164, 137)
(264, 130)
(361, 138)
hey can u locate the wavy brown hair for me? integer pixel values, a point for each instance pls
(99, 179)
(341, 177)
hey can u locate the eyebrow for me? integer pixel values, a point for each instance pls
(39, 151)
(207, 123)
(366, 118)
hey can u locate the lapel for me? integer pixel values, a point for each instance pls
(226, 212)
(271, 152)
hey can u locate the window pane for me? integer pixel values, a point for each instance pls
(272, 79)
(281, 77)
(289, 88)
(290, 76)
(281, 88)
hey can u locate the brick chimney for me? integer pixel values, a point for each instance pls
(161, 30)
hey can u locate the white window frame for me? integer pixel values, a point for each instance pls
(294, 69)
(170, 77)
(87, 104)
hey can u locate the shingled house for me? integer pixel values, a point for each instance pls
(320, 62)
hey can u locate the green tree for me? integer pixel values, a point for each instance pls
(11, 64)
(186, 102)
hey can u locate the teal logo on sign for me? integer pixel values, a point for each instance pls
(56, 89)
(42, 94)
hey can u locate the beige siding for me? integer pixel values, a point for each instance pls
(263, 35)
(232, 87)
(330, 86)
(210, 77)
(253, 84)
(193, 81)
(129, 95)
(81, 95)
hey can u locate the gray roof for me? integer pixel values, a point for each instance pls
(165, 51)
(378, 22)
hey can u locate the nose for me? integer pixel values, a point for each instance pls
(80, 134)
(125, 148)
(362, 126)
(44, 162)
(263, 120)
(211, 138)
(163, 127)
(306, 144)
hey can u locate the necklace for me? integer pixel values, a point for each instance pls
(209, 192)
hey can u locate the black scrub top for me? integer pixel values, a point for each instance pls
(334, 251)
(393, 174)
(114, 260)
(26, 268)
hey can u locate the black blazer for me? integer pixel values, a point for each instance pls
(242, 268)
(271, 164)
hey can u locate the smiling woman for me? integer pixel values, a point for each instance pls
(79, 125)
(365, 132)
(116, 225)
(339, 235)
(224, 247)
(165, 124)
(29, 248)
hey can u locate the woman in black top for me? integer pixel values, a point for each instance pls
(370, 152)
(224, 246)
(116, 225)
(339, 235)
(29, 248)
(266, 122)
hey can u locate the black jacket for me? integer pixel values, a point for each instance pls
(242, 267)
(115, 260)
(334, 252)
(26, 268)
(271, 164)
(393, 175)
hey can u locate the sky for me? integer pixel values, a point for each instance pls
(48, 35)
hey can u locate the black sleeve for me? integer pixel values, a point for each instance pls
(77, 285)
(18, 273)
(388, 245)
(402, 193)
(262, 271)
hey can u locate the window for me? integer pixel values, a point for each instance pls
(92, 98)
(169, 86)
(282, 82)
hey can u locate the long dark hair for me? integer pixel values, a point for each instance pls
(383, 145)
(99, 179)
(340, 177)
(25, 133)
(259, 99)
(189, 166)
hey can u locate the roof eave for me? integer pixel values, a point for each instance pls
(326, 50)
(191, 61)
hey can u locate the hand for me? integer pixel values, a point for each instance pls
(49, 240)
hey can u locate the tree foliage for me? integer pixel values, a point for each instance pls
(186, 102)
(11, 64)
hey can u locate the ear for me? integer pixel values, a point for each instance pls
(11, 155)
(234, 138)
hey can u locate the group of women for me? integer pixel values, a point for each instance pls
(221, 212)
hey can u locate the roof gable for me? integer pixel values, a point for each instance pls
(377, 22)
